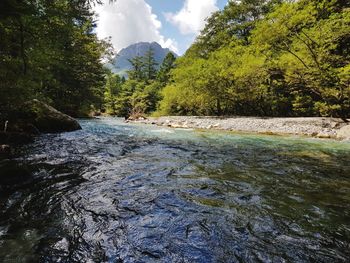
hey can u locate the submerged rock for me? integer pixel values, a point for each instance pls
(49, 120)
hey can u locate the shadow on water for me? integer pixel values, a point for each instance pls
(121, 193)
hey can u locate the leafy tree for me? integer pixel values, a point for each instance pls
(113, 89)
(268, 58)
(49, 51)
(141, 93)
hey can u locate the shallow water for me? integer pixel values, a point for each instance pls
(114, 192)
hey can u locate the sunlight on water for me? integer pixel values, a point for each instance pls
(117, 192)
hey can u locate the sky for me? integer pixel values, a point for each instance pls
(174, 24)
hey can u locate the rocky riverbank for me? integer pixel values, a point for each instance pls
(34, 118)
(314, 126)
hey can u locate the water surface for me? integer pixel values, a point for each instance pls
(114, 192)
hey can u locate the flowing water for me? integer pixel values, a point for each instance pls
(114, 192)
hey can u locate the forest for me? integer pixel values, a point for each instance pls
(49, 51)
(253, 58)
(266, 58)
(140, 94)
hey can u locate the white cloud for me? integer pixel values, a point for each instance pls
(191, 18)
(128, 22)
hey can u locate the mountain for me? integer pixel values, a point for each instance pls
(121, 64)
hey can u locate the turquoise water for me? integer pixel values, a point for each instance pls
(116, 192)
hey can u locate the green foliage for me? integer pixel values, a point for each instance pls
(113, 89)
(268, 58)
(136, 72)
(141, 93)
(48, 50)
(143, 68)
(150, 64)
(163, 75)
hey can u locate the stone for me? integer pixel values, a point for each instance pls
(344, 132)
(49, 120)
(323, 135)
(176, 125)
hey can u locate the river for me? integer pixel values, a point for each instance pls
(116, 192)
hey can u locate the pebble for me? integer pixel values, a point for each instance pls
(309, 126)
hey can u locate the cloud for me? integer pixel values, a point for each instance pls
(191, 18)
(128, 22)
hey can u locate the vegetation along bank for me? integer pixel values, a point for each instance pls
(253, 58)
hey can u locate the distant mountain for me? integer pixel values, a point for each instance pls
(121, 64)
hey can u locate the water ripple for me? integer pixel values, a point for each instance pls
(114, 192)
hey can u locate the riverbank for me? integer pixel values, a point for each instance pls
(319, 127)
(30, 120)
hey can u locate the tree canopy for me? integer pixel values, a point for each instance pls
(254, 57)
(141, 92)
(48, 50)
(267, 58)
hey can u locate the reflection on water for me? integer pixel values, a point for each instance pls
(126, 193)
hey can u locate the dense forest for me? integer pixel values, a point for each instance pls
(49, 51)
(141, 92)
(254, 57)
(267, 58)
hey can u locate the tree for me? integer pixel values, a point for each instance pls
(266, 58)
(311, 50)
(137, 65)
(49, 51)
(140, 94)
(167, 65)
(149, 65)
(113, 89)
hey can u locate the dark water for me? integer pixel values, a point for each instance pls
(121, 193)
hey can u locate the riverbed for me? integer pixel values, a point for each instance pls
(319, 127)
(118, 192)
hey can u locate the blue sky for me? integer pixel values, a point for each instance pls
(172, 23)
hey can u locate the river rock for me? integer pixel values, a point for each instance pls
(176, 125)
(5, 150)
(344, 132)
(49, 120)
(323, 135)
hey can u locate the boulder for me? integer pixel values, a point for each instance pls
(344, 132)
(49, 120)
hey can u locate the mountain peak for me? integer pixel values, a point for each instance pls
(121, 62)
